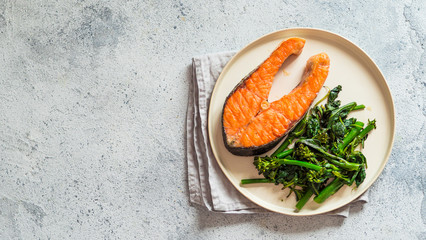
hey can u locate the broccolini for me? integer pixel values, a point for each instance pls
(324, 153)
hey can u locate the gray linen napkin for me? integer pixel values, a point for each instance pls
(207, 184)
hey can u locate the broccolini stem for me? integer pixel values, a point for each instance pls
(345, 164)
(352, 134)
(330, 167)
(299, 130)
(256, 180)
(304, 199)
(285, 153)
(329, 190)
(283, 146)
(358, 107)
(299, 163)
(371, 125)
(323, 98)
(359, 139)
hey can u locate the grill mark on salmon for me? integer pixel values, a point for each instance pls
(251, 125)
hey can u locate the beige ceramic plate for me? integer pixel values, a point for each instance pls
(350, 67)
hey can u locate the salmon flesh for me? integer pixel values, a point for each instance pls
(250, 124)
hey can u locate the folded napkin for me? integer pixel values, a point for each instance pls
(208, 186)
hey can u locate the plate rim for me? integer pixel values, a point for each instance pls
(353, 46)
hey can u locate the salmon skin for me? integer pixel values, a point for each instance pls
(250, 124)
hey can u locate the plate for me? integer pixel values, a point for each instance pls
(350, 67)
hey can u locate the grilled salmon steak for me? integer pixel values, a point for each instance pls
(250, 124)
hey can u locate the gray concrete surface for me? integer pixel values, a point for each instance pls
(93, 97)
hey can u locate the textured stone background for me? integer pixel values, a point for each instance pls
(93, 97)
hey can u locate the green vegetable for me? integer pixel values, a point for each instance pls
(308, 194)
(329, 190)
(256, 180)
(363, 134)
(285, 153)
(330, 157)
(322, 147)
(356, 129)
